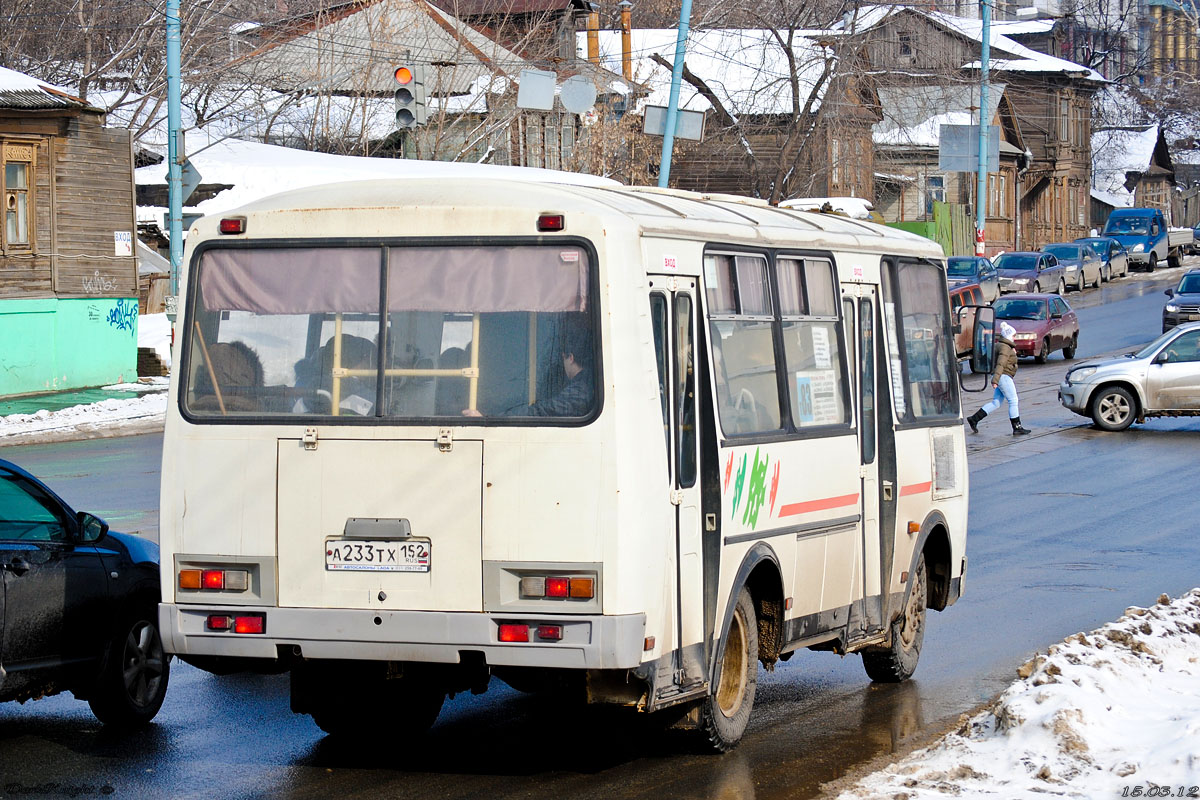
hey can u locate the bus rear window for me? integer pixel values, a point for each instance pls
(410, 332)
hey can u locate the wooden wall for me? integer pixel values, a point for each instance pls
(84, 194)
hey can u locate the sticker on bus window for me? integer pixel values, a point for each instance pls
(569, 256)
(821, 353)
(817, 398)
(710, 273)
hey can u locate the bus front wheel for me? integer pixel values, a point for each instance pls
(898, 661)
(725, 713)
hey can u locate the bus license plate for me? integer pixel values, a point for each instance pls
(377, 555)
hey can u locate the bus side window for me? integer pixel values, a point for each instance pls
(742, 331)
(658, 319)
(685, 391)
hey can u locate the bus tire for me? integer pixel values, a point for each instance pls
(898, 661)
(725, 713)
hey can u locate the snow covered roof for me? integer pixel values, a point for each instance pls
(257, 170)
(1121, 199)
(18, 90)
(1119, 151)
(1010, 55)
(913, 115)
(746, 69)
(358, 52)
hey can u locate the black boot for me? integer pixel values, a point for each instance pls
(1018, 429)
(973, 420)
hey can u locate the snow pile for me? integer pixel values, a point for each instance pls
(1117, 707)
(86, 418)
(855, 207)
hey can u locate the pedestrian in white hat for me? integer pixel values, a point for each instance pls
(1002, 381)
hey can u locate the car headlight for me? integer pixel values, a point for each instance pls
(1172, 307)
(1020, 281)
(1081, 374)
(1023, 337)
(1139, 248)
(1072, 267)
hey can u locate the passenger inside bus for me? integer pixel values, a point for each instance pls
(577, 395)
(356, 393)
(230, 379)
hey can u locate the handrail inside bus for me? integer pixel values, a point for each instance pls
(212, 376)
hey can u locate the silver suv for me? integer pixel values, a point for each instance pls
(1160, 380)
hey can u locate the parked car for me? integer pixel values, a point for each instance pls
(1184, 305)
(1080, 262)
(1044, 323)
(1161, 379)
(79, 606)
(1112, 255)
(967, 294)
(962, 270)
(1144, 233)
(1194, 248)
(1030, 272)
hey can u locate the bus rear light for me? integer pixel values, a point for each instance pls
(551, 633)
(533, 587)
(253, 623)
(213, 579)
(510, 632)
(218, 622)
(237, 580)
(558, 587)
(189, 579)
(551, 222)
(583, 587)
(232, 580)
(231, 225)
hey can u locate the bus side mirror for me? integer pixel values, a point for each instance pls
(982, 358)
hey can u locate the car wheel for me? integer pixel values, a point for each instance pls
(1062, 287)
(898, 661)
(1099, 279)
(1044, 353)
(1079, 281)
(1113, 409)
(1037, 288)
(1069, 350)
(1173, 260)
(132, 686)
(1152, 262)
(725, 713)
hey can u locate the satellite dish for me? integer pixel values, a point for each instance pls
(578, 94)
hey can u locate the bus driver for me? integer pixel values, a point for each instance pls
(576, 397)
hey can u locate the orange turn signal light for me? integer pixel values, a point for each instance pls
(583, 587)
(189, 579)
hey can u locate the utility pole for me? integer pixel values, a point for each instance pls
(174, 156)
(664, 164)
(985, 14)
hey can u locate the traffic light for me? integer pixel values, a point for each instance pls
(411, 110)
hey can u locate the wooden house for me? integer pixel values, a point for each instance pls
(1132, 167)
(68, 272)
(1050, 100)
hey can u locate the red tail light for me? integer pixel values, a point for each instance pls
(214, 579)
(551, 222)
(233, 225)
(552, 633)
(514, 633)
(250, 624)
(218, 622)
(558, 587)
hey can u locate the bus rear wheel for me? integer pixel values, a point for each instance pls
(725, 713)
(898, 661)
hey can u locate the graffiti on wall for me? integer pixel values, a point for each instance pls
(99, 283)
(123, 316)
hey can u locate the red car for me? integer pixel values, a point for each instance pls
(1044, 323)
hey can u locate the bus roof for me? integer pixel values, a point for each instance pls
(667, 212)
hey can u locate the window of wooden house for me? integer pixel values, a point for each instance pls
(1064, 120)
(906, 46)
(835, 172)
(16, 187)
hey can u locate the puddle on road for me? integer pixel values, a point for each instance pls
(1069, 587)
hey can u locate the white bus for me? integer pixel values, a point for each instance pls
(629, 440)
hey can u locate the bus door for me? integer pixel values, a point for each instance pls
(875, 486)
(674, 313)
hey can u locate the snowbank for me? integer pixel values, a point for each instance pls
(1118, 707)
(106, 414)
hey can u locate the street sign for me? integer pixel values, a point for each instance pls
(688, 124)
(536, 90)
(958, 148)
(191, 179)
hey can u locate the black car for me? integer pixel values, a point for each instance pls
(1184, 305)
(78, 606)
